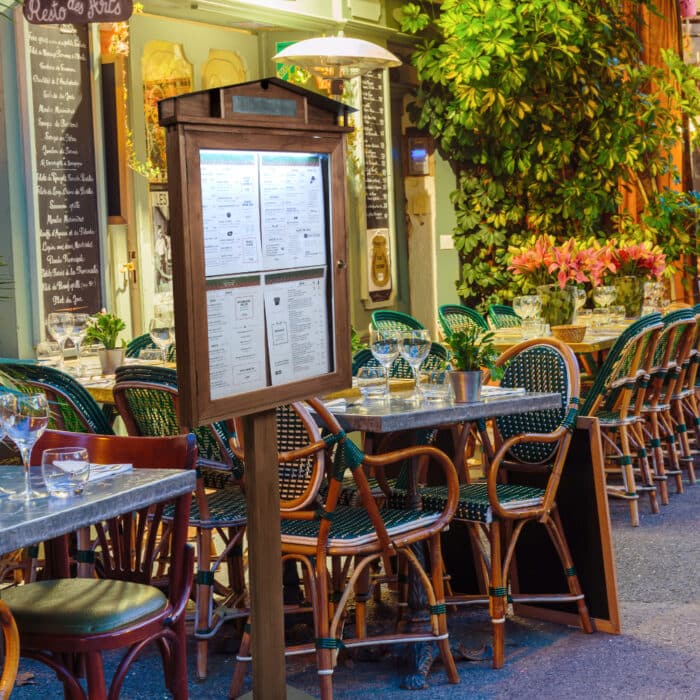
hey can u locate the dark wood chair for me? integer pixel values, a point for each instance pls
(337, 545)
(122, 608)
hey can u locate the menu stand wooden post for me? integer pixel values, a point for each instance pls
(265, 555)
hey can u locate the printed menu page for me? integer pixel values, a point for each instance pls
(236, 320)
(292, 211)
(230, 212)
(297, 324)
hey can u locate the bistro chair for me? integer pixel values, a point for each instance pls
(339, 545)
(497, 510)
(454, 317)
(147, 400)
(119, 607)
(11, 651)
(672, 352)
(616, 400)
(685, 402)
(503, 316)
(72, 407)
(143, 342)
(395, 321)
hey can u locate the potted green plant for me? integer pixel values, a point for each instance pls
(104, 327)
(472, 350)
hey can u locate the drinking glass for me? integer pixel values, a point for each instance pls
(604, 296)
(579, 300)
(414, 347)
(435, 384)
(371, 381)
(65, 470)
(77, 335)
(161, 332)
(60, 325)
(527, 306)
(3, 492)
(24, 417)
(384, 345)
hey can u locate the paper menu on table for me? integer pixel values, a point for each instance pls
(236, 325)
(297, 324)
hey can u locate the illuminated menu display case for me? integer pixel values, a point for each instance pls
(256, 175)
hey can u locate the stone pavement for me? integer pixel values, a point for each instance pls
(657, 656)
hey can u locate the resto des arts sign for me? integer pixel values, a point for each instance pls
(76, 11)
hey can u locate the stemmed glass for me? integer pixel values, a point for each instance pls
(161, 331)
(528, 306)
(414, 347)
(604, 295)
(384, 345)
(60, 325)
(24, 417)
(77, 335)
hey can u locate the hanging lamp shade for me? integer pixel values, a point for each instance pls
(337, 58)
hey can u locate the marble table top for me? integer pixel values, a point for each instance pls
(42, 519)
(399, 413)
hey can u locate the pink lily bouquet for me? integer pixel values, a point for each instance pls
(638, 260)
(547, 263)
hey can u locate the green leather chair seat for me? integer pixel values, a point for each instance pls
(81, 605)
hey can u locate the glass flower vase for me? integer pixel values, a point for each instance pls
(558, 305)
(630, 294)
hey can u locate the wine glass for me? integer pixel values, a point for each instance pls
(3, 492)
(24, 417)
(161, 331)
(77, 335)
(579, 301)
(60, 325)
(384, 345)
(604, 295)
(414, 347)
(527, 306)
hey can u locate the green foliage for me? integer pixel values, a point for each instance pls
(356, 342)
(104, 328)
(542, 107)
(473, 349)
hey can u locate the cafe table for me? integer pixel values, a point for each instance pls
(582, 500)
(49, 518)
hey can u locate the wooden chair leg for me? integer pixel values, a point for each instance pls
(556, 532)
(203, 599)
(94, 671)
(242, 661)
(497, 595)
(628, 476)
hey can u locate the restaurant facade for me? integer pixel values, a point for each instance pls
(83, 189)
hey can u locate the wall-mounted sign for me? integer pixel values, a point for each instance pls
(77, 11)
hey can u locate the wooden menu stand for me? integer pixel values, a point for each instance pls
(256, 177)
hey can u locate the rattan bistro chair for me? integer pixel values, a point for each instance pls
(147, 400)
(385, 319)
(616, 400)
(454, 317)
(11, 655)
(62, 622)
(672, 352)
(503, 316)
(497, 510)
(319, 533)
(72, 407)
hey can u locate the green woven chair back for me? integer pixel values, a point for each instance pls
(141, 342)
(503, 316)
(538, 368)
(454, 317)
(676, 324)
(395, 321)
(72, 407)
(153, 407)
(623, 363)
(400, 369)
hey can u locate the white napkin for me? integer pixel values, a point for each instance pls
(104, 471)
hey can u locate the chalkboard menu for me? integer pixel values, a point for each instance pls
(373, 124)
(64, 176)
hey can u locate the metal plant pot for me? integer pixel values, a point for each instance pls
(111, 359)
(466, 385)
